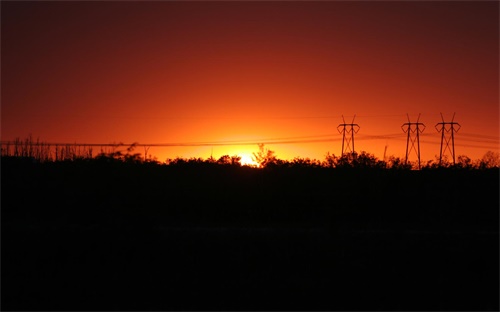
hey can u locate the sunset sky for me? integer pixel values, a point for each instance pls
(229, 73)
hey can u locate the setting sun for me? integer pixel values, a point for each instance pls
(247, 160)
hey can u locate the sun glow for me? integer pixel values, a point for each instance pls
(247, 160)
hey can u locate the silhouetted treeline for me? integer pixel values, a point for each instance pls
(206, 190)
(44, 152)
(115, 232)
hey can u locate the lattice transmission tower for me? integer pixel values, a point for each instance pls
(448, 128)
(348, 131)
(413, 129)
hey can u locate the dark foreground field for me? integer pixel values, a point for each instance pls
(116, 236)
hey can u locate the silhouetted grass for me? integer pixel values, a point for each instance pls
(107, 234)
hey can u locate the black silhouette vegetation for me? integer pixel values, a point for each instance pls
(116, 232)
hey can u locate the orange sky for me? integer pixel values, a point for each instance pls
(183, 72)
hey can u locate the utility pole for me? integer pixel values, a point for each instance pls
(449, 128)
(413, 129)
(350, 130)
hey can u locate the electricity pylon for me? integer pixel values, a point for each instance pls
(349, 129)
(413, 129)
(449, 128)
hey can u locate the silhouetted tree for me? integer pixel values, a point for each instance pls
(305, 163)
(264, 157)
(330, 161)
(224, 160)
(464, 162)
(346, 160)
(236, 160)
(394, 162)
(176, 161)
(229, 160)
(367, 160)
(490, 160)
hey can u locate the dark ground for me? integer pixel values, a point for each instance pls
(114, 236)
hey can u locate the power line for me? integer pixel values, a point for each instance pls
(280, 140)
(190, 144)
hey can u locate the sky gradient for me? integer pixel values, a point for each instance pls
(280, 73)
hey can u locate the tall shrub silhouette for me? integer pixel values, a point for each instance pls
(264, 157)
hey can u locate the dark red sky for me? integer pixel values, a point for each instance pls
(181, 72)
